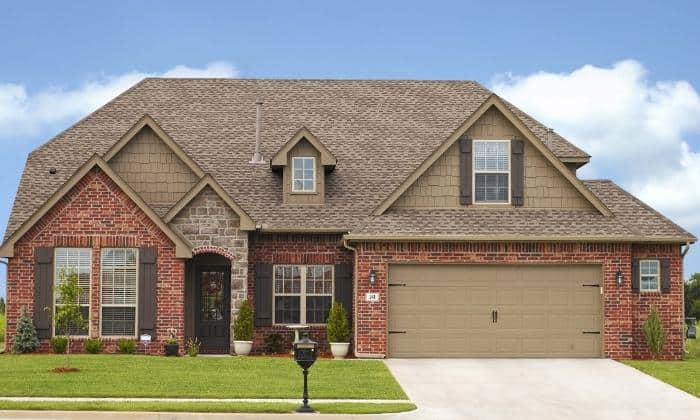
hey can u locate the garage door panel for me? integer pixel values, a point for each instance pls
(446, 311)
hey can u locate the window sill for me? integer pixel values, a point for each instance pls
(303, 193)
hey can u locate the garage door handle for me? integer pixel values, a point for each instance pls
(396, 332)
(494, 317)
(591, 332)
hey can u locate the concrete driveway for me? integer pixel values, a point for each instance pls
(538, 389)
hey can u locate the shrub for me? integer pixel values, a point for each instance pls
(243, 325)
(93, 345)
(337, 328)
(59, 344)
(126, 346)
(25, 340)
(273, 343)
(192, 346)
(654, 333)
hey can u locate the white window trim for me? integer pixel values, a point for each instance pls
(302, 293)
(474, 172)
(136, 305)
(657, 275)
(89, 304)
(313, 175)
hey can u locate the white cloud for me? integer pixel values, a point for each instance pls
(637, 131)
(27, 114)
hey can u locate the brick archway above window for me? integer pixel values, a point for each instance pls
(207, 249)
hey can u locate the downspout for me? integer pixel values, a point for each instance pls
(684, 250)
(346, 245)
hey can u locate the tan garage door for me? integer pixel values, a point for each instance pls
(495, 311)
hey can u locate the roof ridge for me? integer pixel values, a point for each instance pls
(298, 79)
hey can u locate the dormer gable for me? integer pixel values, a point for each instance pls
(303, 162)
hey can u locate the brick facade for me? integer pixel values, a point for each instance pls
(624, 311)
(97, 214)
(292, 249)
(212, 227)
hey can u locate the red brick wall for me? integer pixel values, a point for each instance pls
(624, 311)
(292, 249)
(97, 214)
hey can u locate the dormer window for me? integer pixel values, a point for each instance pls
(303, 174)
(492, 171)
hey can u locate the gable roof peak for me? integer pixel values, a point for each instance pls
(279, 160)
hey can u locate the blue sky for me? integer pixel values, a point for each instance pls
(618, 78)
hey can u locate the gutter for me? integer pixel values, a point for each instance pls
(685, 248)
(516, 238)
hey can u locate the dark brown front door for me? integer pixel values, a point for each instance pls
(213, 314)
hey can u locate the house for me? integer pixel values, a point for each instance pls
(446, 220)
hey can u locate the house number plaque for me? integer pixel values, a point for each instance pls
(372, 297)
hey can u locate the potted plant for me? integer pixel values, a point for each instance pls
(338, 331)
(171, 345)
(243, 330)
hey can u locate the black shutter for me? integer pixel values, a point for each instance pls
(517, 172)
(665, 275)
(43, 291)
(147, 291)
(465, 167)
(343, 287)
(263, 295)
(635, 275)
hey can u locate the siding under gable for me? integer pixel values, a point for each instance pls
(152, 169)
(544, 186)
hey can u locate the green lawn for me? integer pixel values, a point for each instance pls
(208, 407)
(221, 377)
(683, 374)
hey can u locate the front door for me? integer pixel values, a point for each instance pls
(213, 313)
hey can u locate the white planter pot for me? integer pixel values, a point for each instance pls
(340, 350)
(242, 348)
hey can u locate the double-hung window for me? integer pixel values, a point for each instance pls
(649, 275)
(119, 292)
(304, 174)
(78, 262)
(303, 294)
(491, 171)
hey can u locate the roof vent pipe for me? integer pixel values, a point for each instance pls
(257, 156)
(550, 136)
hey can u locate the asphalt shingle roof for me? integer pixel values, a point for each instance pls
(380, 132)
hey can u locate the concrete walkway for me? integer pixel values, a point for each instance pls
(527, 389)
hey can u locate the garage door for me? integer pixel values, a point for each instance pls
(495, 311)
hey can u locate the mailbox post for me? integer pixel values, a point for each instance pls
(305, 356)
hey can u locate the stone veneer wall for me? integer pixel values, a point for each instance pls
(212, 227)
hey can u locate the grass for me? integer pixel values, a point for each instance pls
(682, 374)
(225, 377)
(207, 407)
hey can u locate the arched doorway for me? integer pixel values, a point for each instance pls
(208, 302)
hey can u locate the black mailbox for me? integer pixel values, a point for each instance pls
(692, 328)
(305, 356)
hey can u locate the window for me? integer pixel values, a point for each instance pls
(303, 294)
(649, 275)
(119, 286)
(303, 174)
(491, 171)
(67, 262)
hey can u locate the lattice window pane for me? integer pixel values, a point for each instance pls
(491, 187)
(78, 261)
(119, 321)
(491, 156)
(303, 173)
